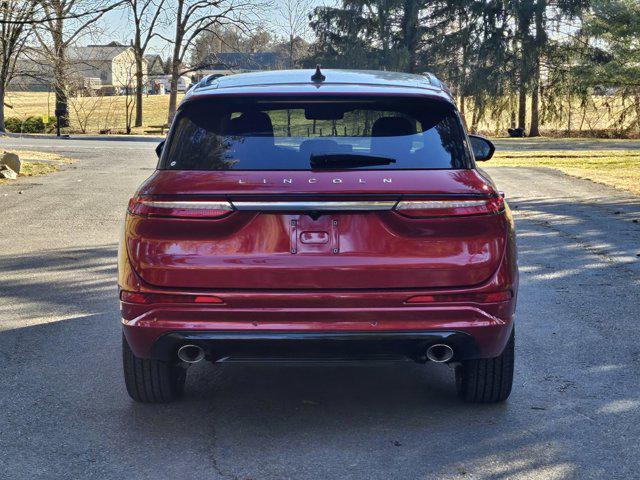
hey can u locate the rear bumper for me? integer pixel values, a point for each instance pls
(320, 322)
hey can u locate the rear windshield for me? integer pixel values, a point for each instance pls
(259, 134)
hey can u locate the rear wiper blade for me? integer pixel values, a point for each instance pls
(347, 160)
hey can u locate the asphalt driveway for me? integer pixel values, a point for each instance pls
(64, 412)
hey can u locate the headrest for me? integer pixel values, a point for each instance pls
(251, 124)
(392, 127)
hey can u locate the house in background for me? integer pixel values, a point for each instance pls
(114, 64)
(90, 68)
(227, 63)
(155, 65)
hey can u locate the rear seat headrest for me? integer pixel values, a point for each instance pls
(253, 124)
(392, 127)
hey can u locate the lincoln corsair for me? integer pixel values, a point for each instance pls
(318, 216)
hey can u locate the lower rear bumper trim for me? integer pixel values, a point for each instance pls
(286, 344)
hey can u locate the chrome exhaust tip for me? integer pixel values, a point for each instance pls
(439, 353)
(190, 353)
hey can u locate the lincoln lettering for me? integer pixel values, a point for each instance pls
(291, 181)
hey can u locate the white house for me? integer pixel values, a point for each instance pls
(114, 64)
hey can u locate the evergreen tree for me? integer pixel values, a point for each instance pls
(497, 53)
(612, 56)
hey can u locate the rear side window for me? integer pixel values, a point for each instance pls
(259, 134)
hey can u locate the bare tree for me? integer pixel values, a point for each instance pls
(129, 97)
(193, 17)
(214, 41)
(63, 23)
(14, 32)
(41, 15)
(84, 108)
(293, 20)
(146, 14)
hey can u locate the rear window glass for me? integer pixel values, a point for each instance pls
(254, 134)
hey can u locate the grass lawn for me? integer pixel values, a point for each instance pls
(90, 114)
(615, 168)
(38, 163)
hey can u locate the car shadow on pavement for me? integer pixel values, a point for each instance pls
(57, 282)
(574, 411)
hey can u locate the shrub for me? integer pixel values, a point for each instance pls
(50, 126)
(33, 125)
(13, 124)
(30, 125)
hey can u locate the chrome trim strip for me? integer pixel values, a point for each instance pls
(435, 204)
(316, 206)
(187, 204)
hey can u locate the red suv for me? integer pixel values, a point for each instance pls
(309, 216)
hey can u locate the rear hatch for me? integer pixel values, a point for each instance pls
(351, 220)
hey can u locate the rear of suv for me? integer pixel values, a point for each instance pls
(309, 216)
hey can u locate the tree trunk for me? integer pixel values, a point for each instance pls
(524, 76)
(637, 107)
(524, 49)
(462, 86)
(410, 34)
(534, 130)
(173, 96)
(569, 115)
(139, 85)
(291, 56)
(474, 119)
(541, 7)
(522, 106)
(175, 63)
(463, 111)
(60, 76)
(175, 76)
(384, 38)
(2, 125)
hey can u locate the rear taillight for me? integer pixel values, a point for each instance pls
(150, 298)
(463, 297)
(449, 208)
(162, 207)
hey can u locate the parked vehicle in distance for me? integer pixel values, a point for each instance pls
(184, 83)
(298, 215)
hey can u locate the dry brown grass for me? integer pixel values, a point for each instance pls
(39, 163)
(599, 115)
(91, 114)
(109, 113)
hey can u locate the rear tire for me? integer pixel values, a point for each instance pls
(487, 380)
(151, 381)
